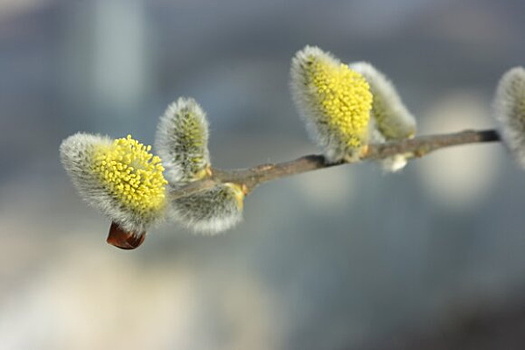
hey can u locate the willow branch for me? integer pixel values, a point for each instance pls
(413, 148)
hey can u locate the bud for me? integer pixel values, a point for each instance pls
(509, 109)
(334, 102)
(391, 119)
(210, 211)
(182, 141)
(120, 178)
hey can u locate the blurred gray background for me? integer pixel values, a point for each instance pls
(344, 258)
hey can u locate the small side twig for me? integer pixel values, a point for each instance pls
(416, 147)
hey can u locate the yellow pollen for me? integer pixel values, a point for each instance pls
(343, 97)
(132, 175)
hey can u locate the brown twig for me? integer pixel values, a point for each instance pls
(416, 147)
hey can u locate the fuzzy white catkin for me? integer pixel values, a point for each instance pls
(210, 211)
(182, 141)
(509, 111)
(391, 120)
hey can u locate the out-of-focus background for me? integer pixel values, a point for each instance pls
(344, 258)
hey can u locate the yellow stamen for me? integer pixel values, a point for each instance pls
(132, 175)
(343, 96)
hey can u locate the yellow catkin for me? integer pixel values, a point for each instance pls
(344, 98)
(132, 175)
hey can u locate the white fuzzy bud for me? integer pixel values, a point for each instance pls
(391, 120)
(509, 109)
(210, 211)
(182, 141)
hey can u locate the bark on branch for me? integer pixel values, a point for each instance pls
(414, 148)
